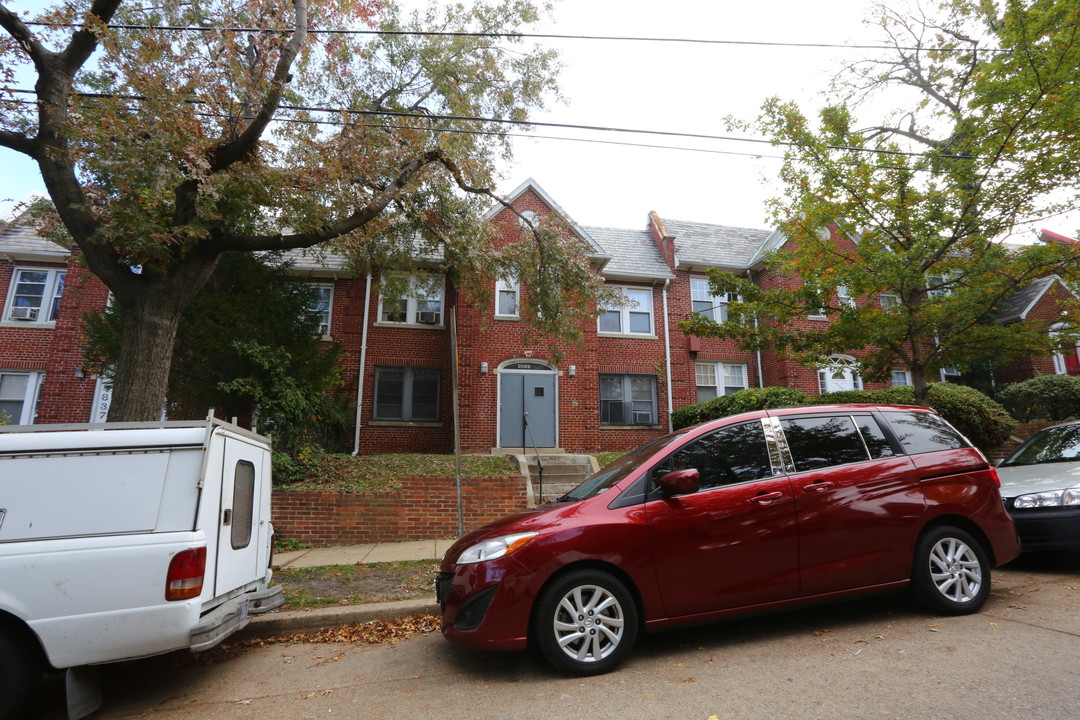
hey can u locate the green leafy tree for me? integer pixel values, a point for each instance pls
(249, 346)
(919, 204)
(168, 134)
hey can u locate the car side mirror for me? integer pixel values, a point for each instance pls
(680, 482)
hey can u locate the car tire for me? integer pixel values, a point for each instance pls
(586, 622)
(20, 672)
(951, 574)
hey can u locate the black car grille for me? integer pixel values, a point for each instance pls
(442, 586)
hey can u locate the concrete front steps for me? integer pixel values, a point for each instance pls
(562, 472)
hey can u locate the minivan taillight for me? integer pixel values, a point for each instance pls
(185, 578)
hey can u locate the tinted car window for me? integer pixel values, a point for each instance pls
(730, 455)
(817, 442)
(1056, 444)
(923, 432)
(875, 439)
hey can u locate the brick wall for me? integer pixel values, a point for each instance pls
(424, 509)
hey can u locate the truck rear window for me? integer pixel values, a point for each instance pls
(243, 504)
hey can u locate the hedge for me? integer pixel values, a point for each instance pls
(981, 419)
(1047, 397)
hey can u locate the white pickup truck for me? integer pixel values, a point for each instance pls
(121, 541)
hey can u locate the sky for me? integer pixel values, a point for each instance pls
(669, 87)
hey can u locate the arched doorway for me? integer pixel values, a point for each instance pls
(841, 373)
(527, 404)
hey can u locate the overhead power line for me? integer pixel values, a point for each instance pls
(523, 35)
(524, 123)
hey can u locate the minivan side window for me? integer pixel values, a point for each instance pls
(923, 432)
(731, 455)
(875, 439)
(817, 442)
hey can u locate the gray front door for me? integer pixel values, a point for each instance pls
(526, 406)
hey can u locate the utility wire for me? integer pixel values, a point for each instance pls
(520, 35)
(526, 123)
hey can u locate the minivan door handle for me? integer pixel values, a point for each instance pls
(818, 486)
(766, 498)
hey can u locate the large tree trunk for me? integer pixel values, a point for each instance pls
(141, 379)
(922, 388)
(152, 310)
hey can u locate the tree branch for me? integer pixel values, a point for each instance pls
(229, 153)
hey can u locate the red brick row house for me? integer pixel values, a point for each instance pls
(509, 390)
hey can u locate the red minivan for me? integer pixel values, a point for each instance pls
(751, 513)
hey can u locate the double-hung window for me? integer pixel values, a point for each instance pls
(900, 377)
(418, 302)
(715, 379)
(628, 400)
(889, 301)
(322, 306)
(507, 297)
(18, 397)
(406, 394)
(35, 295)
(843, 297)
(704, 303)
(633, 317)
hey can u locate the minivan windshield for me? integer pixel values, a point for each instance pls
(1055, 444)
(611, 474)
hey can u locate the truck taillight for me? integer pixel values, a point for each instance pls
(185, 578)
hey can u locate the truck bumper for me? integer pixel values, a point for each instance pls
(233, 615)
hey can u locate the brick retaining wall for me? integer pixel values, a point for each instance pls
(424, 509)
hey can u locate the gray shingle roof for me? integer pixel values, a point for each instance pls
(700, 244)
(633, 254)
(1021, 302)
(21, 240)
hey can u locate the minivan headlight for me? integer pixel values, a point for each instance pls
(495, 548)
(1051, 498)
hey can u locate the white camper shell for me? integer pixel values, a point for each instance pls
(121, 541)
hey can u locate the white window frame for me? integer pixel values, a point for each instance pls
(721, 376)
(52, 294)
(325, 315)
(888, 301)
(904, 377)
(843, 297)
(1060, 367)
(29, 399)
(625, 312)
(937, 285)
(700, 292)
(413, 300)
(510, 287)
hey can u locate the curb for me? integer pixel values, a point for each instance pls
(291, 622)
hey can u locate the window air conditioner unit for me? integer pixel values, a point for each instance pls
(427, 318)
(643, 417)
(24, 313)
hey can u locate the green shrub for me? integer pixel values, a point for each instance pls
(742, 401)
(1048, 397)
(981, 419)
(984, 421)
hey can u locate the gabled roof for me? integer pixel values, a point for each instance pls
(20, 241)
(634, 255)
(595, 251)
(702, 245)
(1023, 300)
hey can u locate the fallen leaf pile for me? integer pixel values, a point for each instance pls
(371, 633)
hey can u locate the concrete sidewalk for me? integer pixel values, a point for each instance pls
(281, 623)
(370, 553)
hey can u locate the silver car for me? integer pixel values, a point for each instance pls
(1040, 484)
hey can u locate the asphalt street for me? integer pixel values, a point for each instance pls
(875, 658)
